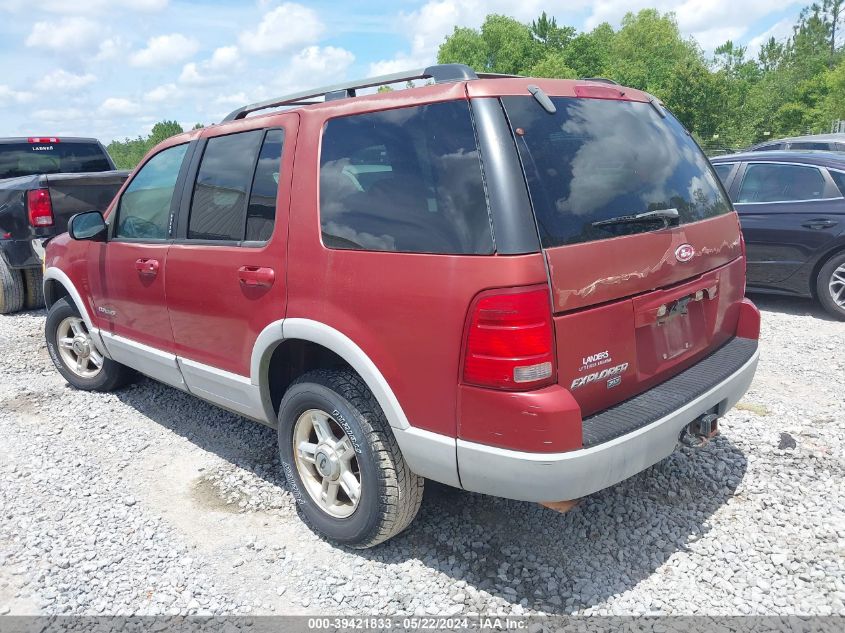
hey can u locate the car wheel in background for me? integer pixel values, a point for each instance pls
(341, 460)
(11, 289)
(33, 279)
(74, 354)
(830, 286)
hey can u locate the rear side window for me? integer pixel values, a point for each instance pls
(404, 180)
(839, 179)
(766, 148)
(218, 205)
(261, 212)
(774, 182)
(810, 145)
(25, 159)
(144, 211)
(723, 170)
(600, 159)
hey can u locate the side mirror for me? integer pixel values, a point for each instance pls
(87, 226)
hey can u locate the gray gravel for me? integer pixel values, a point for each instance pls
(148, 501)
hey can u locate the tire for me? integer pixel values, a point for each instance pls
(389, 493)
(64, 322)
(33, 279)
(830, 282)
(11, 289)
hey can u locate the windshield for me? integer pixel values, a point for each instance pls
(599, 159)
(26, 159)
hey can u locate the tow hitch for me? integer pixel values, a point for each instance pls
(700, 431)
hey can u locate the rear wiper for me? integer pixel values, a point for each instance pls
(667, 215)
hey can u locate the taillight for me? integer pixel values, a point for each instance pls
(43, 139)
(39, 207)
(510, 340)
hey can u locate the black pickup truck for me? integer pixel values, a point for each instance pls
(43, 182)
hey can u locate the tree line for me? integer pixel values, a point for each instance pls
(791, 87)
(729, 99)
(129, 152)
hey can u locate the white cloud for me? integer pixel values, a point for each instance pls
(315, 65)
(780, 31)
(162, 93)
(283, 28)
(63, 81)
(224, 57)
(165, 50)
(237, 99)
(89, 7)
(66, 35)
(118, 106)
(112, 48)
(7, 95)
(222, 63)
(60, 115)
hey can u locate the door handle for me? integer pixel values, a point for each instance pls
(147, 267)
(820, 223)
(256, 276)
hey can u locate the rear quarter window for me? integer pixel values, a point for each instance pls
(404, 180)
(599, 159)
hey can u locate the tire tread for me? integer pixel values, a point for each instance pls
(12, 293)
(403, 489)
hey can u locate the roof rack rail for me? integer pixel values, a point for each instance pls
(602, 80)
(440, 73)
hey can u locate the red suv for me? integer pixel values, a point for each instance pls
(528, 288)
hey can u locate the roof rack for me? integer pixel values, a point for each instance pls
(601, 80)
(440, 73)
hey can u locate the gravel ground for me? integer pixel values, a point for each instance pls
(148, 501)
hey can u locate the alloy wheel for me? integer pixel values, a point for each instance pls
(76, 349)
(837, 286)
(327, 463)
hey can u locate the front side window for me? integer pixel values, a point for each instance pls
(775, 182)
(144, 209)
(404, 180)
(597, 161)
(219, 202)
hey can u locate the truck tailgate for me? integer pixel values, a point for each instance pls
(75, 193)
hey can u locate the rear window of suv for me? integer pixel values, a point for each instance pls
(404, 180)
(598, 159)
(26, 159)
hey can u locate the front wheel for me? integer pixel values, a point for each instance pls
(76, 356)
(830, 286)
(341, 460)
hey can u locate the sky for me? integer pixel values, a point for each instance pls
(113, 68)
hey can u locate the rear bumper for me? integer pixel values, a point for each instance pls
(530, 476)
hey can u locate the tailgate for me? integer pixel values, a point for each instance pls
(643, 248)
(75, 193)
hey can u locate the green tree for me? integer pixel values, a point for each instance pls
(129, 152)
(589, 53)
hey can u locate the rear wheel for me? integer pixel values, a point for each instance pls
(11, 289)
(34, 284)
(74, 354)
(342, 462)
(830, 286)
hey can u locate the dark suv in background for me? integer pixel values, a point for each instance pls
(792, 211)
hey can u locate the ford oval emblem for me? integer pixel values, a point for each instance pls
(684, 252)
